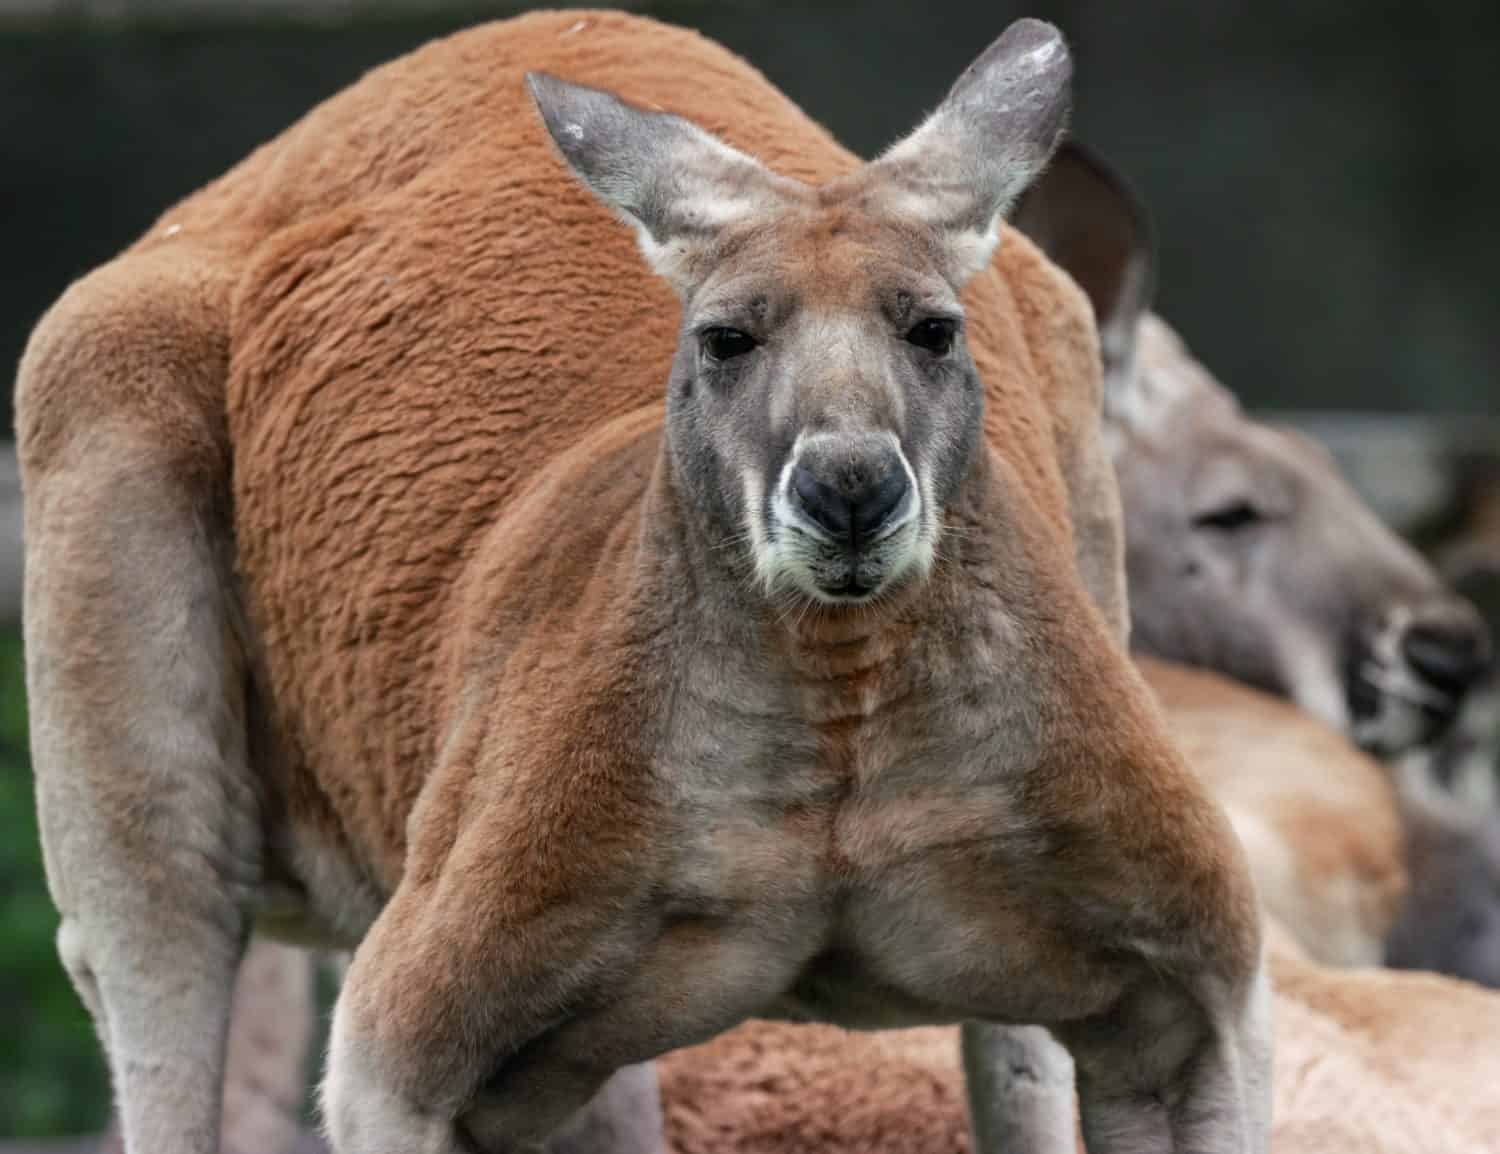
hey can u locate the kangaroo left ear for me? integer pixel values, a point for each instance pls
(962, 168)
(677, 184)
(1087, 219)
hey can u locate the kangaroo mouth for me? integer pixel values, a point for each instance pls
(838, 572)
(1392, 708)
(846, 576)
(851, 588)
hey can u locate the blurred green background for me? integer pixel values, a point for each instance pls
(1323, 176)
(52, 1078)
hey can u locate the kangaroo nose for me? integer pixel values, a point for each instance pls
(855, 509)
(1448, 645)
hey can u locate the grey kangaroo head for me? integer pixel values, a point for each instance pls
(822, 405)
(1246, 550)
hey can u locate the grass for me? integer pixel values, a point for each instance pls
(52, 1075)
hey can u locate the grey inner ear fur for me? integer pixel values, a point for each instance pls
(991, 135)
(663, 173)
(1086, 217)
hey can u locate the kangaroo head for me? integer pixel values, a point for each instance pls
(1246, 550)
(823, 405)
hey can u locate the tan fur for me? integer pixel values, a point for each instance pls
(1372, 1061)
(1319, 818)
(362, 582)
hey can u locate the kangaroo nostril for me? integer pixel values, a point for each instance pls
(1451, 650)
(823, 503)
(875, 507)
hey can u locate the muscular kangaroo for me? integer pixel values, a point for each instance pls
(408, 569)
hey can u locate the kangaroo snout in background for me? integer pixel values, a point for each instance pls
(1410, 670)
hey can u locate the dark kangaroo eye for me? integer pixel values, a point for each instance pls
(1229, 517)
(724, 344)
(934, 335)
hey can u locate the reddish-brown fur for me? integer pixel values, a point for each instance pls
(457, 545)
(320, 406)
(370, 459)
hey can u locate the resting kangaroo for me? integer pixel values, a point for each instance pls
(1293, 584)
(391, 580)
(1246, 551)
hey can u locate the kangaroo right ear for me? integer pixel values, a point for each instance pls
(965, 164)
(1089, 221)
(677, 184)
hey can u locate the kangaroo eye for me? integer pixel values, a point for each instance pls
(1229, 517)
(724, 344)
(934, 334)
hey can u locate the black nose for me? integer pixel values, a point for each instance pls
(855, 508)
(1448, 645)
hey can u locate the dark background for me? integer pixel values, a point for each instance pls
(1323, 175)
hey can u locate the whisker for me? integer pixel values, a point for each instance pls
(731, 541)
(793, 605)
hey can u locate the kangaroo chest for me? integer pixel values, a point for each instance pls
(868, 821)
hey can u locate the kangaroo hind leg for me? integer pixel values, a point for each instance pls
(150, 816)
